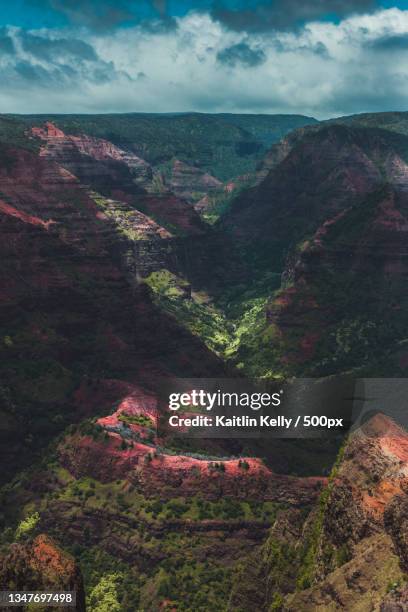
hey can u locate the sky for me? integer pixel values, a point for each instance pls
(320, 58)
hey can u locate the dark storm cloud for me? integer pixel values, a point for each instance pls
(241, 53)
(394, 42)
(102, 15)
(52, 63)
(317, 48)
(28, 72)
(61, 76)
(282, 14)
(6, 43)
(96, 14)
(53, 49)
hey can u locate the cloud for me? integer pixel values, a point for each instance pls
(6, 42)
(29, 72)
(48, 65)
(323, 69)
(98, 14)
(241, 53)
(392, 42)
(282, 14)
(52, 49)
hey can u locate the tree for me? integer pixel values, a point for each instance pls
(104, 596)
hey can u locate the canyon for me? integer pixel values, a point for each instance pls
(125, 262)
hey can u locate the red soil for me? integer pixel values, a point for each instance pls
(13, 212)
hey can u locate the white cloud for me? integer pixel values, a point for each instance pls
(323, 69)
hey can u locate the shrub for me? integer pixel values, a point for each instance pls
(27, 525)
(104, 596)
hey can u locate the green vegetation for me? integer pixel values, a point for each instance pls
(167, 284)
(312, 542)
(26, 526)
(135, 419)
(393, 121)
(108, 580)
(124, 217)
(223, 145)
(13, 133)
(198, 509)
(197, 585)
(233, 326)
(277, 603)
(199, 316)
(220, 202)
(177, 565)
(104, 596)
(268, 129)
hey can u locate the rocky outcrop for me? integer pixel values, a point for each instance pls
(192, 183)
(396, 523)
(116, 174)
(191, 476)
(360, 584)
(368, 487)
(271, 570)
(350, 552)
(361, 550)
(127, 194)
(79, 153)
(126, 445)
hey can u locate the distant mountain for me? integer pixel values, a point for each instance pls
(392, 121)
(268, 129)
(223, 145)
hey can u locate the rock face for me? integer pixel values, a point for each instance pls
(67, 289)
(152, 222)
(362, 548)
(116, 174)
(191, 183)
(331, 216)
(396, 522)
(360, 584)
(346, 277)
(79, 153)
(40, 565)
(150, 471)
(364, 519)
(373, 474)
(192, 477)
(351, 552)
(146, 464)
(326, 171)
